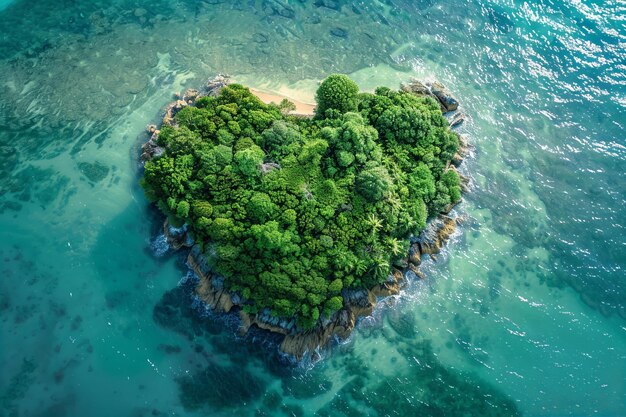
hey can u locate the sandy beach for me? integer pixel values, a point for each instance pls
(303, 109)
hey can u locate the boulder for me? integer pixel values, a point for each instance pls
(436, 235)
(464, 146)
(416, 87)
(150, 149)
(456, 160)
(391, 286)
(177, 237)
(215, 85)
(435, 90)
(415, 256)
(456, 118)
(447, 100)
(191, 95)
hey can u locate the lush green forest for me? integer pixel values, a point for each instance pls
(291, 210)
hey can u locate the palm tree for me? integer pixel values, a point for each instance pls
(381, 269)
(374, 222)
(394, 203)
(394, 246)
(360, 267)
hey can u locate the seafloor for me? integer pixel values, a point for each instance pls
(523, 313)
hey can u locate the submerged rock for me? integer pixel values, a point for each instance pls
(94, 171)
(339, 32)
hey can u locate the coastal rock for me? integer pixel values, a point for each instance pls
(456, 160)
(415, 256)
(177, 237)
(447, 100)
(341, 325)
(358, 298)
(150, 149)
(434, 89)
(417, 88)
(198, 261)
(464, 182)
(455, 119)
(215, 85)
(464, 146)
(171, 110)
(218, 300)
(391, 286)
(191, 95)
(436, 235)
(420, 274)
(209, 289)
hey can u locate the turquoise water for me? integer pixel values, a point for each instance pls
(4, 4)
(524, 313)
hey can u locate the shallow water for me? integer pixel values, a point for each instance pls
(523, 313)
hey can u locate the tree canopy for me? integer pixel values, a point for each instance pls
(290, 211)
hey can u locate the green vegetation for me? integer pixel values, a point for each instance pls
(337, 94)
(291, 210)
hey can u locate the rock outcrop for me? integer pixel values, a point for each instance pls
(448, 103)
(177, 237)
(151, 149)
(435, 236)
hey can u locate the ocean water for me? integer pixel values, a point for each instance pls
(523, 314)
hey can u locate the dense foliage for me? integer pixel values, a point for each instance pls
(292, 210)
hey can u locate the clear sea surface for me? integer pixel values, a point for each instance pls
(523, 314)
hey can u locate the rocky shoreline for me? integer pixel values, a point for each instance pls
(297, 342)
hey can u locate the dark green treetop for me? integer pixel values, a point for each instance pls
(338, 94)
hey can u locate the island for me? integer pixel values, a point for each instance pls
(300, 222)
